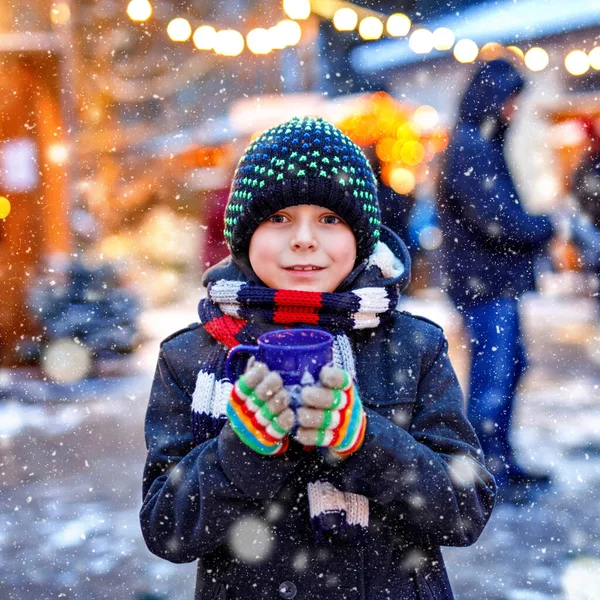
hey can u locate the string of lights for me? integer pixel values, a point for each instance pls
(225, 42)
(347, 17)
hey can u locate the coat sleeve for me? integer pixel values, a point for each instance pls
(192, 495)
(430, 480)
(482, 194)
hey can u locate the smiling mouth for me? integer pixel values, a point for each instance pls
(302, 268)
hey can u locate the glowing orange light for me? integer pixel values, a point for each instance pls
(402, 181)
(412, 152)
(491, 51)
(385, 149)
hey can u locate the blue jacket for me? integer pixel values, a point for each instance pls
(420, 467)
(490, 242)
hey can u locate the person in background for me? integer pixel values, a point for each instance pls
(490, 245)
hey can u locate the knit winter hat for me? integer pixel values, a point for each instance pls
(303, 161)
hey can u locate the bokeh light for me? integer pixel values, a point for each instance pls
(229, 42)
(398, 25)
(402, 181)
(179, 30)
(139, 10)
(408, 131)
(516, 51)
(66, 361)
(58, 153)
(204, 37)
(345, 19)
(370, 28)
(385, 149)
(443, 38)
(412, 153)
(430, 237)
(4, 207)
(290, 31)
(594, 57)
(491, 51)
(536, 59)
(421, 41)
(60, 13)
(297, 9)
(577, 62)
(259, 41)
(466, 51)
(426, 117)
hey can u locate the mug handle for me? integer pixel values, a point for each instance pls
(234, 356)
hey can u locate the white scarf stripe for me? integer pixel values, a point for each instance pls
(365, 321)
(343, 356)
(373, 300)
(224, 291)
(210, 397)
(231, 310)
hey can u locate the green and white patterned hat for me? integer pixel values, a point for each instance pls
(302, 161)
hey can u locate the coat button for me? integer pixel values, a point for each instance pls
(288, 590)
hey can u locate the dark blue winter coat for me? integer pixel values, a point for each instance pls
(490, 242)
(420, 467)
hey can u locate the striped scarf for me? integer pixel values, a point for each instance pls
(237, 312)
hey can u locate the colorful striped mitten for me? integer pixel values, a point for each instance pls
(331, 414)
(258, 410)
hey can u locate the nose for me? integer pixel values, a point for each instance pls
(303, 236)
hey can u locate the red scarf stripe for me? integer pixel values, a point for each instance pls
(290, 304)
(298, 299)
(289, 316)
(224, 329)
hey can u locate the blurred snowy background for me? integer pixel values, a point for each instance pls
(120, 125)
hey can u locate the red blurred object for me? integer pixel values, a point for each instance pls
(214, 247)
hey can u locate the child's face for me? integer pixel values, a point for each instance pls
(295, 238)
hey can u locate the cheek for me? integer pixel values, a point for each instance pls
(343, 248)
(264, 252)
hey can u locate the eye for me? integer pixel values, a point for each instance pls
(277, 218)
(331, 219)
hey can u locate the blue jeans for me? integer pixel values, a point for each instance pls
(498, 361)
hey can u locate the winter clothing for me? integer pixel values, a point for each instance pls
(248, 303)
(490, 242)
(498, 362)
(258, 410)
(418, 472)
(238, 312)
(331, 415)
(302, 161)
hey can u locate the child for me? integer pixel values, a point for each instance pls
(383, 468)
